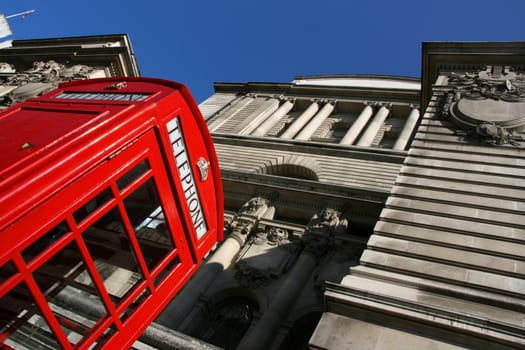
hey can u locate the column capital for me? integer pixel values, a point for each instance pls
(284, 98)
(325, 100)
(384, 104)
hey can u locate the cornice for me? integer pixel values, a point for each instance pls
(312, 91)
(466, 56)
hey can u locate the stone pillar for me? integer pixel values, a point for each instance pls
(255, 119)
(181, 306)
(354, 131)
(374, 126)
(298, 124)
(266, 126)
(317, 240)
(316, 122)
(239, 105)
(409, 126)
(260, 336)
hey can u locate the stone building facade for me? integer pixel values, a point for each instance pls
(307, 167)
(444, 268)
(355, 221)
(362, 212)
(32, 67)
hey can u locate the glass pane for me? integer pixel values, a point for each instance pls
(45, 241)
(21, 324)
(111, 250)
(108, 333)
(95, 203)
(147, 218)
(135, 305)
(167, 270)
(70, 292)
(133, 174)
(7, 271)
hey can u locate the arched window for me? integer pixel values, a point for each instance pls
(228, 321)
(292, 170)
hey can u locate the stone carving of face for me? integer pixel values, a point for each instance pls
(277, 235)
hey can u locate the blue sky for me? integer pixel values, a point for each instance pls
(199, 42)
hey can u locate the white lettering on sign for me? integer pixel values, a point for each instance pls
(114, 96)
(187, 179)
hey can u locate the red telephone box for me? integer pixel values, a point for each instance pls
(110, 197)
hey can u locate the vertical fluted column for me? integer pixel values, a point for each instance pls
(374, 126)
(239, 105)
(354, 131)
(184, 302)
(252, 122)
(246, 219)
(408, 128)
(318, 239)
(268, 124)
(298, 124)
(316, 122)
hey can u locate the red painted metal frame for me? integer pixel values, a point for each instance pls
(47, 175)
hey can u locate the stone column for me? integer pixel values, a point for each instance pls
(317, 240)
(409, 126)
(239, 105)
(181, 306)
(374, 126)
(298, 124)
(252, 121)
(357, 126)
(266, 126)
(260, 336)
(316, 122)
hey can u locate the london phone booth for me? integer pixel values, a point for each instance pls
(110, 197)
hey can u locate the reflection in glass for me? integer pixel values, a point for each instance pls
(7, 271)
(111, 250)
(45, 241)
(95, 203)
(166, 271)
(135, 305)
(22, 324)
(146, 216)
(108, 333)
(69, 290)
(133, 174)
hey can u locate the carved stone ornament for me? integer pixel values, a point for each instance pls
(327, 221)
(38, 79)
(321, 231)
(489, 104)
(249, 277)
(255, 207)
(268, 255)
